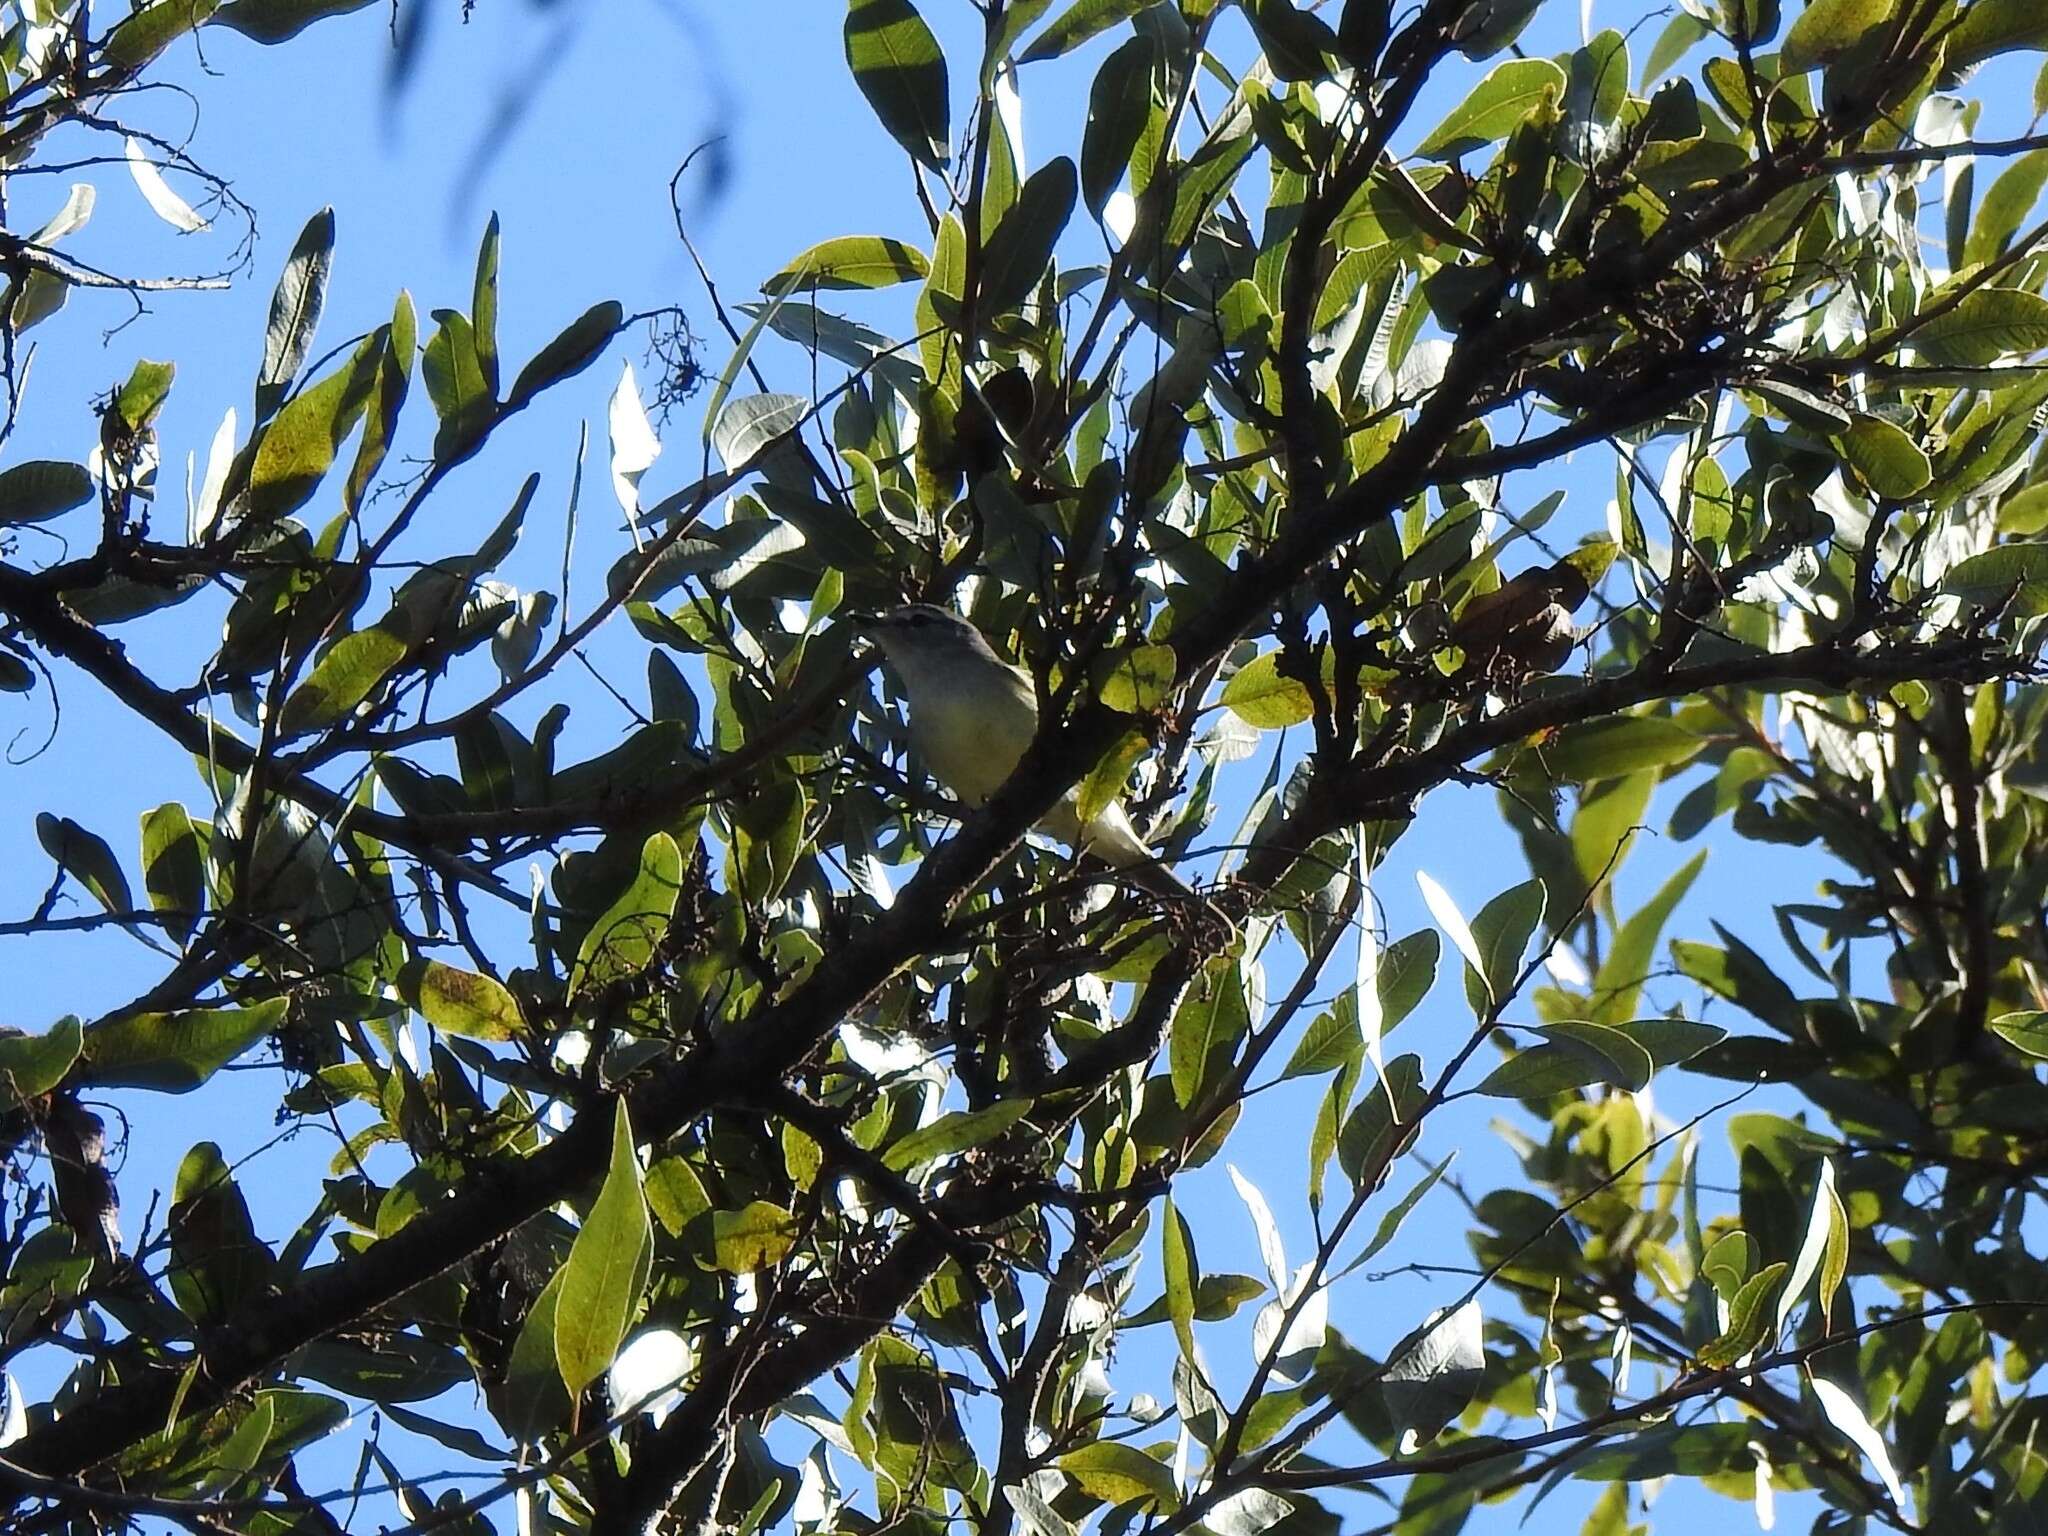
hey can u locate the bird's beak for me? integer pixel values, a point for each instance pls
(863, 621)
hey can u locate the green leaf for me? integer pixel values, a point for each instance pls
(1618, 746)
(1984, 326)
(143, 395)
(1120, 104)
(676, 1194)
(144, 34)
(217, 1261)
(1075, 25)
(176, 1052)
(1627, 965)
(1991, 27)
(1749, 1319)
(298, 448)
(1576, 1053)
(852, 261)
(32, 1065)
(2015, 572)
(1261, 697)
(955, 1131)
(1104, 785)
(751, 423)
(350, 671)
(295, 308)
(579, 345)
(387, 397)
(1020, 248)
(483, 307)
(899, 67)
(2025, 1031)
(1293, 41)
(1502, 931)
(606, 1270)
(2011, 198)
(461, 1002)
(1331, 1042)
(1206, 1027)
(86, 857)
(173, 867)
(1669, 1450)
(1139, 680)
(37, 489)
(1383, 1122)
(1827, 29)
(1494, 107)
(622, 940)
(1183, 1277)
(1122, 1474)
(453, 372)
(1890, 462)
(534, 1400)
(755, 1236)
(277, 21)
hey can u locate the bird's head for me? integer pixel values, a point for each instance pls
(920, 637)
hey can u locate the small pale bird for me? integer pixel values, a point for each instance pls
(972, 715)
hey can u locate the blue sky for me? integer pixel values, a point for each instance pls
(611, 97)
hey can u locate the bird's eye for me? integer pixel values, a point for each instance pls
(920, 620)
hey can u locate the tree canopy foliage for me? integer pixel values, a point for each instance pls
(799, 1146)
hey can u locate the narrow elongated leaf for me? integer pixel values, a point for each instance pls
(1827, 1228)
(387, 397)
(1451, 920)
(899, 67)
(31, 1065)
(163, 202)
(579, 345)
(955, 1131)
(295, 309)
(483, 308)
(1749, 1319)
(1502, 931)
(1020, 249)
(298, 448)
(1120, 104)
(454, 376)
(1847, 1415)
(1075, 25)
(607, 1268)
(1494, 107)
(1627, 964)
(852, 261)
(176, 1052)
